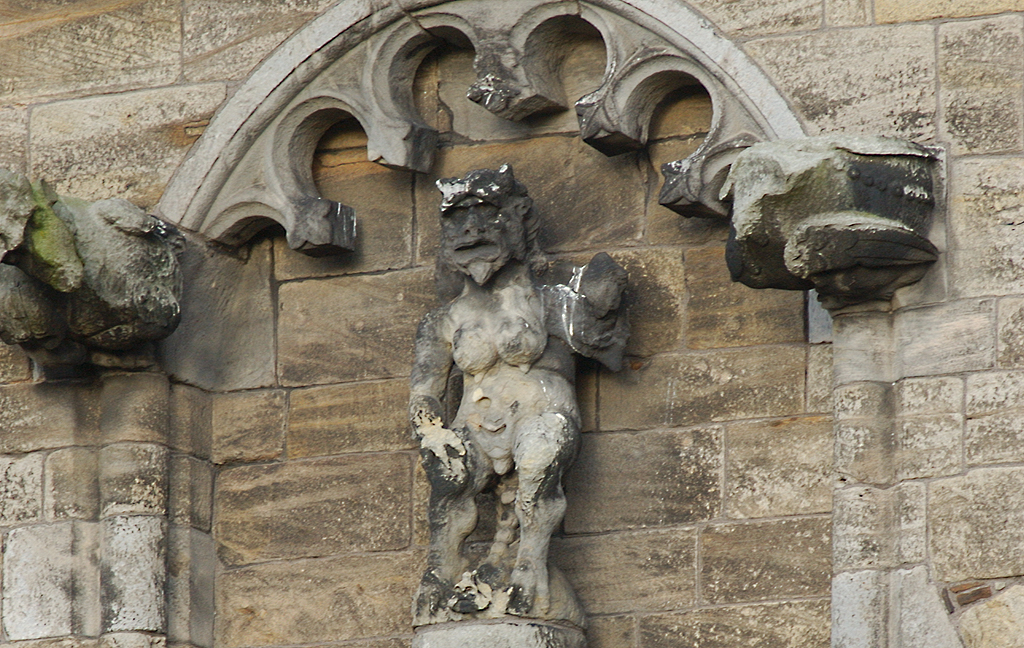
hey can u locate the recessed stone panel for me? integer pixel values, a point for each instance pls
(630, 480)
(779, 467)
(313, 508)
(355, 417)
(626, 572)
(351, 328)
(310, 601)
(803, 624)
(678, 390)
(766, 560)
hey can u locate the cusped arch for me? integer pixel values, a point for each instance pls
(359, 58)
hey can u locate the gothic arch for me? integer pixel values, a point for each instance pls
(252, 165)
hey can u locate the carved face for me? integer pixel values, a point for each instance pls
(479, 238)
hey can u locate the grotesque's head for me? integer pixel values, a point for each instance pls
(486, 220)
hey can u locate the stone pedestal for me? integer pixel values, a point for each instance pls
(499, 633)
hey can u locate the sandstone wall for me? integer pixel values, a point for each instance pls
(276, 464)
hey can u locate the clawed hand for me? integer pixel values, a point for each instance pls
(438, 439)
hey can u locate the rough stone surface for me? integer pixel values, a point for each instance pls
(14, 138)
(312, 508)
(778, 467)
(917, 615)
(862, 349)
(51, 584)
(753, 18)
(72, 141)
(859, 610)
(819, 378)
(509, 634)
(233, 349)
(225, 40)
(630, 480)
(995, 623)
(891, 11)
(134, 407)
(736, 569)
(656, 295)
(678, 390)
(875, 528)
(877, 80)
(986, 254)
(803, 624)
(976, 525)
(929, 446)
(993, 392)
(847, 13)
(72, 484)
(330, 599)
(191, 565)
(21, 488)
(1011, 343)
(627, 572)
(133, 479)
(191, 418)
(961, 337)
(356, 417)
(927, 396)
(248, 426)
(981, 84)
(133, 573)
(611, 632)
(722, 313)
(38, 416)
(14, 364)
(101, 47)
(350, 328)
(190, 494)
(994, 439)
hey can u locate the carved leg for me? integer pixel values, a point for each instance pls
(544, 449)
(452, 516)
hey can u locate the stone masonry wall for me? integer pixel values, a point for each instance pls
(286, 402)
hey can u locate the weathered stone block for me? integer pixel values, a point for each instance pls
(911, 523)
(351, 328)
(72, 488)
(995, 623)
(865, 449)
(190, 496)
(862, 348)
(226, 40)
(863, 529)
(311, 508)
(191, 420)
(382, 199)
(132, 640)
(820, 388)
(21, 488)
(224, 342)
(735, 568)
(976, 525)
(14, 138)
(133, 573)
(873, 79)
(893, 11)
(997, 438)
(134, 407)
(753, 18)
(248, 426)
(103, 47)
(72, 141)
(1010, 322)
(916, 396)
(981, 84)
(606, 193)
(356, 417)
(191, 565)
(629, 480)
(778, 467)
(988, 258)
(507, 633)
(722, 313)
(859, 610)
(47, 415)
(917, 616)
(627, 572)
(133, 479)
(656, 297)
(961, 337)
(678, 390)
(611, 632)
(329, 599)
(992, 392)
(928, 446)
(803, 624)
(847, 13)
(14, 365)
(863, 400)
(51, 583)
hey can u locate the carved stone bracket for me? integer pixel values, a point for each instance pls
(847, 216)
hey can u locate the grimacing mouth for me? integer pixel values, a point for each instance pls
(477, 250)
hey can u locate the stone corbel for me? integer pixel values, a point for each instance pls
(846, 216)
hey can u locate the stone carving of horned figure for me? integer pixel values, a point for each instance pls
(517, 428)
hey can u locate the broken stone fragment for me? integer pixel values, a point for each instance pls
(847, 216)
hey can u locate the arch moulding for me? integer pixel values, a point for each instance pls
(252, 166)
